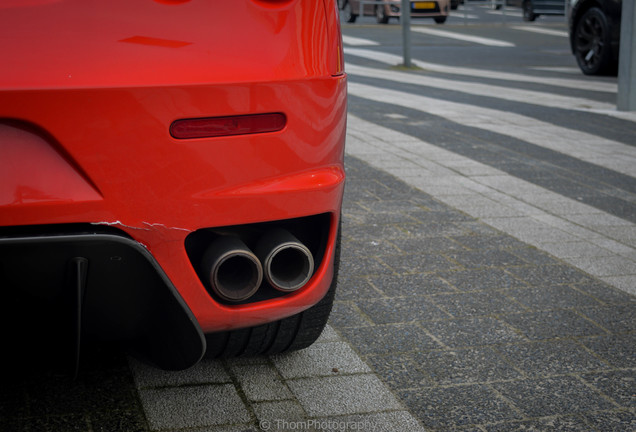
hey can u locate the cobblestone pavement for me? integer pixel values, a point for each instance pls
(472, 328)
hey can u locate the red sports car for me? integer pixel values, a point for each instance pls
(171, 175)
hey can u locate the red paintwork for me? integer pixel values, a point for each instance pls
(94, 87)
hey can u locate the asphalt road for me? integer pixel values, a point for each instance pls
(488, 271)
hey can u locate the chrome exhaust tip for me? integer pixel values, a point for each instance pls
(287, 263)
(233, 271)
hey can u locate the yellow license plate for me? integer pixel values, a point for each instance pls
(423, 5)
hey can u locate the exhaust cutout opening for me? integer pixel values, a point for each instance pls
(290, 267)
(233, 271)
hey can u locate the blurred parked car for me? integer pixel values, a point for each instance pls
(384, 10)
(595, 30)
(171, 176)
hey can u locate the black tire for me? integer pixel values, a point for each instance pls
(380, 15)
(592, 43)
(350, 17)
(528, 15)
(440, 19)
(289, 334)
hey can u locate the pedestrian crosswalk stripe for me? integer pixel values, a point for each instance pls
(355, 41)
(584, 146)
(462, 37)
(463, 15)
(513, 94)
(505, 202)
(541, 30)
(506, 13)
(393, 59)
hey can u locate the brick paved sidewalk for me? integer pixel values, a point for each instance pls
(474, 329)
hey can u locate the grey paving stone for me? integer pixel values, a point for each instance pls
(347, 314)
(477, 303)
(625, 283)
(575, 249)
(244, 361)
(400, 372)
(438, 213)
(556, 274)
(353, 288)
(395, 338)
(355, 248)
(353, 194)
(475, 227)
(437, 229)
(466, 366)
(605, 293)
(604, 265)
(364, 266)
(275, 414)
(620, 386)
(425, 245)
(391, 206)
(421, 263)
(354, 394)
(394, 421)
(401, 309)
(448, 407)
(410, 285)
(473, 331)
(534, 256)
(563, 424)
(482, 279)
(612, 421)
(553, 324)
(619, 351)
(548, 297)
(320, 359)
(544, 397)
(193, 406)
(261, 383)
(485, 242)
(205, 372)
(394, 233)
(617, 319)
(234, 428)
(328, 335)
(380, 218)
(486, 258)
(551, 358)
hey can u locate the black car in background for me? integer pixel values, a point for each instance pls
(595, 29)
(533, 8)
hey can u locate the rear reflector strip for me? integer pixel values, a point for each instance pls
(225, 126)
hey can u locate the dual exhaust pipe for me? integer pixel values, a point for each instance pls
(235, 272)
